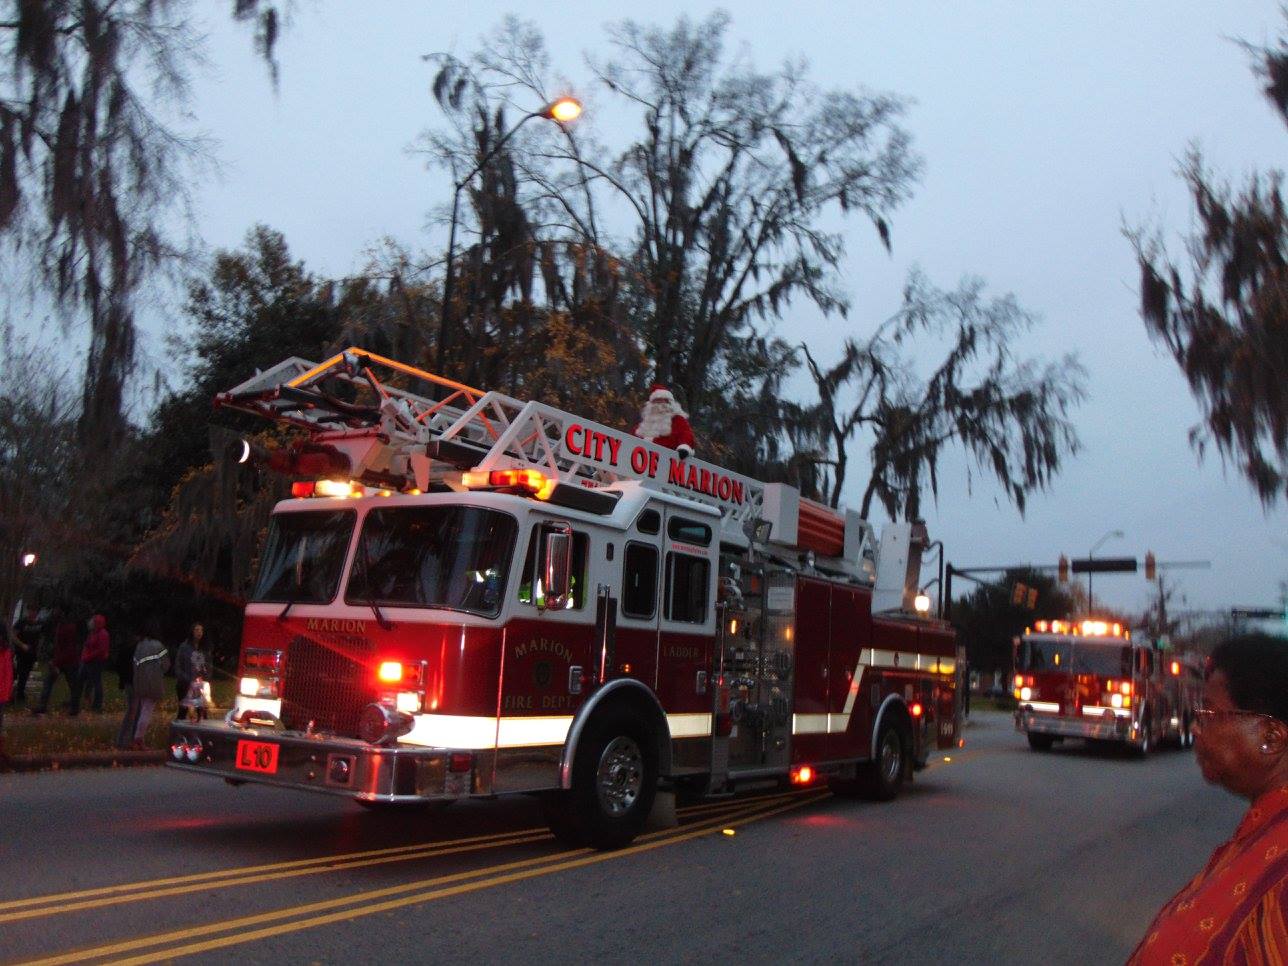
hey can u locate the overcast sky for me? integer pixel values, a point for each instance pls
(1045, 127)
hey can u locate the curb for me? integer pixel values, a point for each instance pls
(102, 759)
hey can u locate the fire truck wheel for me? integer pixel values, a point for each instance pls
(1041, 742)
(614, 782)
(879, 780)
(1145, 744)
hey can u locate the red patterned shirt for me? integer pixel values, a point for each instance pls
(1236, 910)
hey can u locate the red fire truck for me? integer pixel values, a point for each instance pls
(1090, 679)
(473, 595)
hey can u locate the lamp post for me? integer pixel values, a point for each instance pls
(1091, 556)
(563, 110)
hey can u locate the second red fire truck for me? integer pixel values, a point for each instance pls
(473, 595)
(1091, 679)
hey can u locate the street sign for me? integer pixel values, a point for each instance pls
(1104, 565)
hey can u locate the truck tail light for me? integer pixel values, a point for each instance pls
(916, 709)
(391, 672)
(1126, 689)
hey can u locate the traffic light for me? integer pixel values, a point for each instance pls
(1151, 567)
(1064, 569)
(1018, 594)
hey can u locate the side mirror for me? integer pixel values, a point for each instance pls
(556, 576)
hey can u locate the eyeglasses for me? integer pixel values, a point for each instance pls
(1208, 715)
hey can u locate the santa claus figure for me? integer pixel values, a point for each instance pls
(663, 422)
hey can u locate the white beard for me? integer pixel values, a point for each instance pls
(655, 420)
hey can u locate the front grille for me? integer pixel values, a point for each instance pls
(327, 684)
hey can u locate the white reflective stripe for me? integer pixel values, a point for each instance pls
(837, 723)
(1094, 709)
(1042, 705)
(809, 724)
(854, 687)
(908, 661)
(524, 732)
(464, 731)
(689, 725)
(453, 731)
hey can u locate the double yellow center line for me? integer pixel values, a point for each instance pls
(708, 818)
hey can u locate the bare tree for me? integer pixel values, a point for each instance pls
(37, 459)
(92, 168)
(1222, 312)
(1010, 415)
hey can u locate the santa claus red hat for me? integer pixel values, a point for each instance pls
(659, 391)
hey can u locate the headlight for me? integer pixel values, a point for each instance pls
(408, 702)
(1116, 700)
(1026, 694)
(258, 687)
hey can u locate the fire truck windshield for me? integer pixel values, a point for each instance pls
(304, 556)
(450, 557)
(1106, 660)
(1051, 654)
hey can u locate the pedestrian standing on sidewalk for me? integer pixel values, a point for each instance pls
(98, 645)
(149, 663)
(185, 670)
(26, 643)
(65, 661)
(123, 662)
(1236, 909)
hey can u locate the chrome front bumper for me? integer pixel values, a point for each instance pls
(335, 766)
(1100, 727)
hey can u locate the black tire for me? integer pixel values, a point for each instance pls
(1145, 744)
(880, 779)
(614, 782)
(1039, 742)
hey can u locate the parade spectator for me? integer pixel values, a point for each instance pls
(1236, 909)
(149, 662)
(6, 677)
(98, 646)
(65, 660)
(26, 644)
(189, 664)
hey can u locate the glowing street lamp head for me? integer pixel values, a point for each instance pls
(563, 110)
(28, 559)
(922, 603)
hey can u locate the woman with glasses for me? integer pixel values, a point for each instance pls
(1236, 909)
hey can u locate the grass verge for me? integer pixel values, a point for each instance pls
(56, 734)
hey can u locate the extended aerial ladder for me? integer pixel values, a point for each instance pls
(413, 429)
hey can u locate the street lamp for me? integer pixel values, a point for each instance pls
(28, 559)
(1090, 556)
(562, 110)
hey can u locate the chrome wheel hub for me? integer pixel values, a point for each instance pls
(890, 758)
(620, 776)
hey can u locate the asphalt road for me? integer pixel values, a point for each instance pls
(996, 855)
